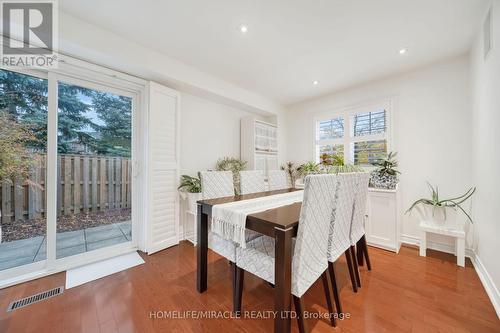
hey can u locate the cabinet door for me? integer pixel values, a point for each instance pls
(260, 162)
(272, 162)
(381, 224)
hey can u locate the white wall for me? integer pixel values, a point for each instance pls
(209, 131)
(219, 104)
(486, 148)
(91, 43)
(431, 128)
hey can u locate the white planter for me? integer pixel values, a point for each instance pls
(192, 198)
(439, 215)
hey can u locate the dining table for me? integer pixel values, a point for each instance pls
(279, 223)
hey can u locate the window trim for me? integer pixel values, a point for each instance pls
(349, 138)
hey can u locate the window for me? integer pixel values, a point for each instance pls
(358, 136)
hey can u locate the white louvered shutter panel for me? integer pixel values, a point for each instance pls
(163, 162)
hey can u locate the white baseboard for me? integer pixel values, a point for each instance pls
(487, 281)
(481, 271)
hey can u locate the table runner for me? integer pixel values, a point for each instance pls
(229, 220)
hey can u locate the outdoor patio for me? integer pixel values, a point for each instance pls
(25, 251)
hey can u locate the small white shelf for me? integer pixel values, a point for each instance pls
(454, 230)
(268, 152)
(383, 190)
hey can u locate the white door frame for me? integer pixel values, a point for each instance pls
(91, 76)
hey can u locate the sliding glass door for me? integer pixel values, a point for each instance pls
(23, 148)
(66, 170)
(94, 151)
(94, 168)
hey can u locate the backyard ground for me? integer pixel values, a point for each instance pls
(37, 227)
(25, 251)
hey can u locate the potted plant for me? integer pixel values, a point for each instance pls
(291, 171)
(436, 207)
(308, 168)
(232, 164)
(385, 175)
(332, 159)
(15, 156)
(190, 188)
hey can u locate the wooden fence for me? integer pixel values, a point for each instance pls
(84, 184)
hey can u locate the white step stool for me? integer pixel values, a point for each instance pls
(452, 230)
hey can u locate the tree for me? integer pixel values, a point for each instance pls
(73, 123)
(15, 158)
(24, 97)
(116, 133)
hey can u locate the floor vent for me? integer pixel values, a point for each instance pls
(35, 298)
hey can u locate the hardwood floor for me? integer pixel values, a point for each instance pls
(403, 293)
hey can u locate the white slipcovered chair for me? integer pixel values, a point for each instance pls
(277, 179)
(252, 181)
(357, 234)
(339, 241)
(310, 259)
(219, 184)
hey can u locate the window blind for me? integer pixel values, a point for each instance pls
(369, 123)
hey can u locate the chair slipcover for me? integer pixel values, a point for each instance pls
(309, 248)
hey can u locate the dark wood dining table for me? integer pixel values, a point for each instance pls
(280, 223)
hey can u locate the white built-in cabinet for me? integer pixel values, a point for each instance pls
(162, 226)
(259, 144)
(383, 219)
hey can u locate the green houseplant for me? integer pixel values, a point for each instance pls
(332, 159)
(438, 206)
(232, 164)
(190, 184)
(308, 168)
(190, 189)
(385, 175)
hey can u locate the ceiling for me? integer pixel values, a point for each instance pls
(291, 43)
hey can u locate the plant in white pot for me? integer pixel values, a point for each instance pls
(190, 189)
(233, 164)
(386, 175)
(436, 207)
(291, 171)
(15, 157)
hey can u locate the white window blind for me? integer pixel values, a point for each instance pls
(360, 135)
(331, 129)
(163, 165)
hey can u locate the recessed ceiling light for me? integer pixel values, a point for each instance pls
(243, 28)
(403, 51)
(315, 82)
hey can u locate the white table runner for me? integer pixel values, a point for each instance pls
(228, 220)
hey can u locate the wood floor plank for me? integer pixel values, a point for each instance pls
(403, 293)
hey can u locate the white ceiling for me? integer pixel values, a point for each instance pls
(290, 43)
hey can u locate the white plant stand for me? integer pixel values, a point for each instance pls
(452, 230)
(189, 209)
